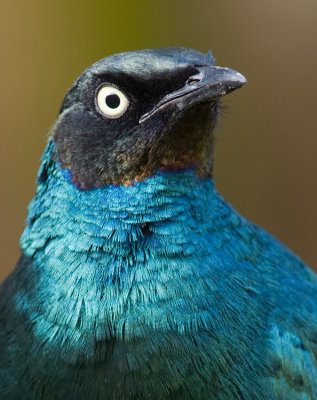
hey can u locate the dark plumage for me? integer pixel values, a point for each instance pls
(136, 279)
(122, 150)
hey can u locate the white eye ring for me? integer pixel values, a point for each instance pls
(111, 101)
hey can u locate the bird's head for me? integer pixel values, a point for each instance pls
(133, 114)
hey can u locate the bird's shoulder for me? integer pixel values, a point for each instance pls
(293, 331)
(276, 283)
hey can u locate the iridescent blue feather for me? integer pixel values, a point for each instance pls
(168, 284)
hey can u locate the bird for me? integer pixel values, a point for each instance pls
(137, 280)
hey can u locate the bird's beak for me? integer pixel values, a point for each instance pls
(209, 84)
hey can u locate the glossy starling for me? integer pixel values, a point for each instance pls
(136, 279)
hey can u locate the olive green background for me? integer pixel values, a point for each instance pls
(266, 140)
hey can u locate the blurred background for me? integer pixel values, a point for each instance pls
(266, 140)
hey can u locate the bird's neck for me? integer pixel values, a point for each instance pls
(104, 233)
(127, 247)
(163, 213)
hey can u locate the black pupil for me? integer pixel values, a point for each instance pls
(113, 101)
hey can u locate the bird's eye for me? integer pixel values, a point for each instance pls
(111, 101)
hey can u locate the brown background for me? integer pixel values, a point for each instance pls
(266, 151)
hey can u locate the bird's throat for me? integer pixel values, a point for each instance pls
(179, 143)
(120, 246)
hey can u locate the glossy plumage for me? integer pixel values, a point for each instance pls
(153, 288)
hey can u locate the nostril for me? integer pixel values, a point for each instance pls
(192, 80)
(195, 78)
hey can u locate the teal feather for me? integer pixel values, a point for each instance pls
(190, 291)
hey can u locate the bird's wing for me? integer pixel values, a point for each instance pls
(289, 291)
(293, 334)
(294, 365)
